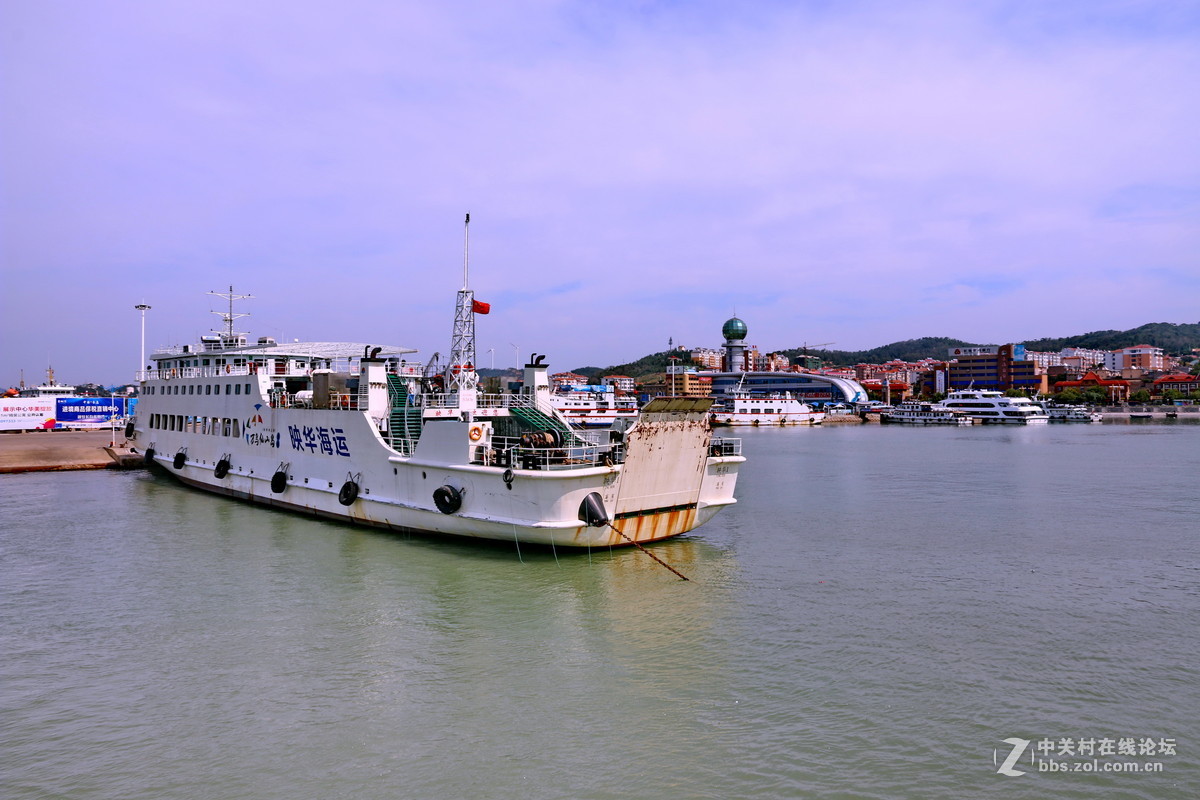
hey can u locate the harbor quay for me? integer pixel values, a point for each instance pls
(35, 451)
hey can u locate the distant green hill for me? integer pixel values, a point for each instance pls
(1175, 339)
(908, 350)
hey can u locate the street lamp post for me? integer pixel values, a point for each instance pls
(142, 307)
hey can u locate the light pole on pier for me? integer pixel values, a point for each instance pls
(142, 307)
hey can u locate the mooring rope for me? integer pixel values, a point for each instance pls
(647, 552)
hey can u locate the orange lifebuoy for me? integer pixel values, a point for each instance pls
(226, 369)
(476, 433)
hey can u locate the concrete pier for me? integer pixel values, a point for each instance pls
(61, 450)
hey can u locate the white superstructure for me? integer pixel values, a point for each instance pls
(995, 408)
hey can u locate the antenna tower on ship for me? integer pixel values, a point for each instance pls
(461, 370)
(228, 317)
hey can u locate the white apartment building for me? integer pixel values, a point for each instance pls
(1143, 356)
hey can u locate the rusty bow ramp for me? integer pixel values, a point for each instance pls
(665, 456)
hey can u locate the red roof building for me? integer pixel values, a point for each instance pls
(1117, 389)
(1180, 383)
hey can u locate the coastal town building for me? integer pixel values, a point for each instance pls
(622, 383)
(1080, 359)
(680, 380)
(1044, 361)
(999, 367)
(709, 357)
(1144, 357)
(1184, 384)
(561, 380)
(771, 362)
(1116, 389)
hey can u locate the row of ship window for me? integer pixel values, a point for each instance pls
(209, 426)
(191, 388)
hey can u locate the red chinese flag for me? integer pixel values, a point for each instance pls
(480, 308)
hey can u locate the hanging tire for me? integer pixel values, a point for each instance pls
(128, 429)
(348, 493)
(447, 499)
(279, 482)
(149, 456)
(222, 469)
(180, 460)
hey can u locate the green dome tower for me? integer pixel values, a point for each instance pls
(734, 331)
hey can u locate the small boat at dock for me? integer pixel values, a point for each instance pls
(918, 412)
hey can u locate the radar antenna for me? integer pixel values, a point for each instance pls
(227, 317)
(461, 369)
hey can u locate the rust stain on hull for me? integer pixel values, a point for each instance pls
(653, 527)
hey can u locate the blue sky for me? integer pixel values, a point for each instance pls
(848, 172)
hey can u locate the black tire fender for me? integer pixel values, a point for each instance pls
(447, 499)
(348, 493)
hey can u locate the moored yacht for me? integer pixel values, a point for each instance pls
(1071, 413)
(919, 412)
(995, 408)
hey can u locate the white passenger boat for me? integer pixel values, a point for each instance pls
(918, 412)
(594, 406)
(742, 407)
(359, 433)
(1071, 413)
(995, 408)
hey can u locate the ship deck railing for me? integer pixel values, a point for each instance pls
(506, 451)
(280, 369)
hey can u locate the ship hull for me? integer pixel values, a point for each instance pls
(304, 460)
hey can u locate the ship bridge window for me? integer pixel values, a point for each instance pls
(229, 388)
(237, 388)
(247, 388)
(208, 388)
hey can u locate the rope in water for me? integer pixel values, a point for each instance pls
(647, 552)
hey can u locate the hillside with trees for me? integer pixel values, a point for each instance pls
(1172, 338)
(1175, 339)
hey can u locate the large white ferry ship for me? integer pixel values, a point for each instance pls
(360, 433)
(994, 408)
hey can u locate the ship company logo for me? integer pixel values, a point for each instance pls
(257, 433)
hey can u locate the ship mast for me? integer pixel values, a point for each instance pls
(228, 317)
(460, 375)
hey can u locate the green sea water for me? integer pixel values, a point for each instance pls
(884, 612)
